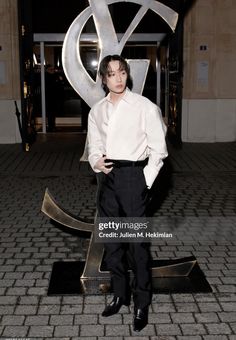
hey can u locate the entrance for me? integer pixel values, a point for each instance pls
(52, 91)
(40, 55)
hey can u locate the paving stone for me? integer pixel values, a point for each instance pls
(189, 337)
(232, 337)
(16, 291)
(28, 300)
(25, 310)
(37, 320)
(12, 320)
(233, 326)
(163, 307)
(3, 292)
(114, 319)
(182, 317)
(6, 283)
(92, 330)
(15, 331)
(171, 329)
(85, 338)
(153, 318)
(74, 309)
(117, 330)
(87, 319)
(91, 309)
(206, 317)
(61, 320)
(192, 329)
(8, 300)
(221, 328)
(72, 300)
(229, 306)
(7, 268)
(227, 316)
(205, 297)
(97, 299)
(50, 300)
(65, 331)
(209, 307)
(48, 309)
(186, 307)
(37, 291)
(161, 298)
(6, 310)
(161, 337)
(183, 297)
(226, 288)
(215, 337)
(24, 283)
(40, 331)
(112, 338)
(64, 338)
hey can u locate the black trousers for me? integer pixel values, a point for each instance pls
(123, 193)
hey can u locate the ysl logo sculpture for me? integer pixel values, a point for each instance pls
(77, 75)
(91, 92)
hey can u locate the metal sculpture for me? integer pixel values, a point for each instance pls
(93, 279)
(91, 92)
(77, 75)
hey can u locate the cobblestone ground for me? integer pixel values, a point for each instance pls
(196, 202)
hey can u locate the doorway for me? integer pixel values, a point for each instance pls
(70, 110)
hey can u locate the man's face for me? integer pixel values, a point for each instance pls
(116, 78)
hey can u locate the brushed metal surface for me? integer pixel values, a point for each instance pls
(74, 69)
(92, 267)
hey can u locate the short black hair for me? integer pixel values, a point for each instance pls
(104, 70)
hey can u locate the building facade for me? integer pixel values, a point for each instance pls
(208, 111)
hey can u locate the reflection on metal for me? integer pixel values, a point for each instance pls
(64, 218)
(92, 269)
(175, 268)
(79, 78)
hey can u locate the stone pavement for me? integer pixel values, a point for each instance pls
(196, 202)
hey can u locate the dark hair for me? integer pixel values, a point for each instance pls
(104, 70)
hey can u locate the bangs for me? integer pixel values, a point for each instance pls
(122, 67)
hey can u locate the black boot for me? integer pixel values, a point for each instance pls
(140, 318)
(114, 306)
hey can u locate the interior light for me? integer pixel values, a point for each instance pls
(94, 63)
(35, 59)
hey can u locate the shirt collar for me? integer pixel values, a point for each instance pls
(128, 96)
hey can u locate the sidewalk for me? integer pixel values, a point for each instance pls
(197, 201)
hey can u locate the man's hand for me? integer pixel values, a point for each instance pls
(102, 166)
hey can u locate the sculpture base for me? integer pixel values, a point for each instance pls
(66, 280)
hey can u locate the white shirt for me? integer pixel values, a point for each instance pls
(132, 129)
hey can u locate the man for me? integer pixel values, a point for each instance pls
(126, 146)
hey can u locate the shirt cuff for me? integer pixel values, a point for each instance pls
(150, 174)
(92, 161)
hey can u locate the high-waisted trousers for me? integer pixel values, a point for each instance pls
(123, 193)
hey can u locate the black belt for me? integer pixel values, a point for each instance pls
(124, 163)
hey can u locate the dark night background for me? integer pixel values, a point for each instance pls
(55, 16)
